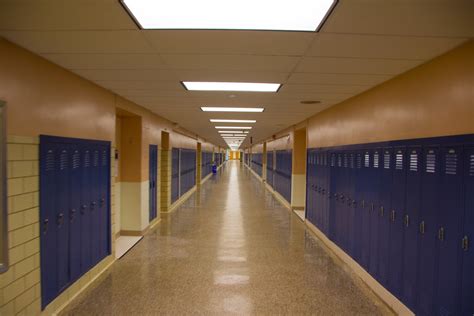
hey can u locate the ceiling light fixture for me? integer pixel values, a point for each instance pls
(231, 86)
(235, 132)
(232, 121)
(230, 109)
(233, 127)
(296, 15)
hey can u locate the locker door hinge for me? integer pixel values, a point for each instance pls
(465, 243)
(407, 220)
(441, 234)
(422, 227)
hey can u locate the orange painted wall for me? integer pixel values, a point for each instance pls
(434, 99)
(299, 152)
(46, 99)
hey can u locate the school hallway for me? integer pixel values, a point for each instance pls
(231, 248)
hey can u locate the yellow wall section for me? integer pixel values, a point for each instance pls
(299, 152)
(434, 99)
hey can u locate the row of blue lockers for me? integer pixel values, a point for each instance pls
(219, 158)
(183, 171)
(206, 163)
(74, 210)
(404, 210)
(282, 173)
(256, 163)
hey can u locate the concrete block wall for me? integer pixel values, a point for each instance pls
(165, 180)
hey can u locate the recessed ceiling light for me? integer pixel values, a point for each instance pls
(230, 109)
(231, 86)
(232, 121)
(233, 127)
(295, 15)
(235, 132)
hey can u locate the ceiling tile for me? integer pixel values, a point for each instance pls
(231, 62)
(376, 46)
(337, 79)
(107, 61)
(80, 42)
(63, 15)
(230, 42)
(141, 85)
(126, 74)
(439, 18)
(356, 65)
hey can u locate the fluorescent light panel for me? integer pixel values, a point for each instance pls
(278, 15)
(235, 132)
(233, 127)
(232, 121)
(231, 109)
(231, 86)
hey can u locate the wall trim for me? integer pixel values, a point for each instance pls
(363, 276)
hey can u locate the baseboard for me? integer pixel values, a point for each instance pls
(131, 232)
(363, 276)
(181, 200)
(298, 208)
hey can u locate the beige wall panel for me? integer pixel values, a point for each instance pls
(434, 99)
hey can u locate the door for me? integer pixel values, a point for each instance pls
(384, 210)
(153, 170)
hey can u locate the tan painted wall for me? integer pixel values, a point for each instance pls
(45, 99)
(434, 99)
(257, 149)
(299, 152)
(131, 155)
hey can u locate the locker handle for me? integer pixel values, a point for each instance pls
(60, 219)
(393, 216)
(441, 234)
(72, 214)
(381, 211)
(363, 203)
(407, 220)
(465, 243)
(93, 205)
(422, 227)
(83, 208)
(102, 202)
(45, 226)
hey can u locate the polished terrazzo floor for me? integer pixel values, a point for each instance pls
(230, 249)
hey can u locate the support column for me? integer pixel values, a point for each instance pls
(298, 177)
(165, 172)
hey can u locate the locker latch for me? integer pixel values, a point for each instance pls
(93, 205)
(381, 211)
(45, 226)
(422, 227)
(363, 203)
(392, 217)
(441, 234)
(465, 243)
(72, 214)
(372, 207)
(83, 208)
(102, 201)
(60, 219)
(407, 220)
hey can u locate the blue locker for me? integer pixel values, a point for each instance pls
(367, 208)
(104, 202)
(49, 155)
(449, 227)
(62, 216)
(86, 218)
(376, 209)
(351, 203)
(467, 283)
(153, 181)
(411, 221)
(175, 170)
(332, 194)
(74, 212)
(395, 262)
(325, 192)
(309, 185)
(385, 202)
(95, 212)
(430, 193)
(359, 206)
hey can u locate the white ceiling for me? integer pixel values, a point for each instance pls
(362, 44)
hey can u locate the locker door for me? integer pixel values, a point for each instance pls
(104, 201)
(325, 189)
(48, 183)
(450, 221)
(174, 174)
(373, 198)
(385, 202)
(62, 216)
(467, 283)
(366, 209)
(85, 212)
(153, 169)
(74, 212)
(410, 223)
(332, 196)
(351, 203)
(94, 202)
(359, 207)
(397, 211)
(309, 185)
(428, 229)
